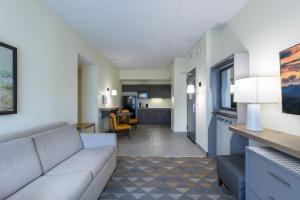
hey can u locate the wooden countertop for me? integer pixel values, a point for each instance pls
(152, 108)
(284, 142)
(109, 108)
(234, 116)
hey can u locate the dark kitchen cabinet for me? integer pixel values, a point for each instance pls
(143, 88)
(160, 91)
(135, 88)
(166, 91)
(154, 116)
(129, 88)
(155, 91)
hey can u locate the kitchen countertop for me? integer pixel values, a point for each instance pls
(109, 108)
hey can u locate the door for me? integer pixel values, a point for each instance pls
(191, 106)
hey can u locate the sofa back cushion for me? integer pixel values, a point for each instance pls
(19, 165)
(55, 146)
(30, 132)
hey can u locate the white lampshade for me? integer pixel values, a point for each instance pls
(257, 90)
(114, 92)
(190, 89)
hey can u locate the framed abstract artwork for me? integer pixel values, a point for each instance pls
(8, 79)
(290, 79)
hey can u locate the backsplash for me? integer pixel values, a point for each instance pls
(155, 102)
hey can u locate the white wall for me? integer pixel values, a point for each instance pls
(179, 102)
(197, 58)
(212, 47)
(263, 29)
(266, 27)
(88, 97)
(47, 64)
(108, 77)
(145, 74)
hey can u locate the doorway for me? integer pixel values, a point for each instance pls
(191, 105)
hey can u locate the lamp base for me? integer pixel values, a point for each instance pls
(254, 118)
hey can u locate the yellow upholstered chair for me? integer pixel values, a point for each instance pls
(118, 128)
(131, 121)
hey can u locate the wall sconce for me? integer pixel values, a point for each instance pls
(190, 89)
(114, 93)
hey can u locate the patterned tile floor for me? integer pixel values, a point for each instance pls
(164, 178)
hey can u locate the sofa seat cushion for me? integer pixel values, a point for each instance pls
(19, 165)
(55, 146)
(91, 160)
(64, 187)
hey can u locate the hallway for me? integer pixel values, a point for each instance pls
(157, 140)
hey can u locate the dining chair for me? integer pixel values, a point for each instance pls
(118, 128)
(131, 121)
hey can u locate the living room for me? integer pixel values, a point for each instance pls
(217, 124)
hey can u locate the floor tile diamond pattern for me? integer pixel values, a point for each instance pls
(164, 178)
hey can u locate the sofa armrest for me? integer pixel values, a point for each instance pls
(98, 140)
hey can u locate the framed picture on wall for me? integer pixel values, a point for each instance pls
(8, 79)
(290, 79)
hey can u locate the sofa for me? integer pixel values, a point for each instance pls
(55, 162)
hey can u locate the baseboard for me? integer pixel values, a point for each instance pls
(206, 153)
(180, 132)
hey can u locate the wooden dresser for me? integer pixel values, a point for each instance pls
(271, 175)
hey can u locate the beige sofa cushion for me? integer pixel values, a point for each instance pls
(65, 187)
(91, 160)
(19, 165)
(57, 145)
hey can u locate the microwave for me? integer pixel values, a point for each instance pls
(143, 95)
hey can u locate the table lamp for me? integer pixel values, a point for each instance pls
(256, 91)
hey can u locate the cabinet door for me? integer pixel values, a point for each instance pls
(142, 88)
(124, 88)
(154, 91)
(160, 91)
(129, 88)
(165, 91)
(219, 135)
(142, 116)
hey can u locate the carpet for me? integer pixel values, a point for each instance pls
(164, 178)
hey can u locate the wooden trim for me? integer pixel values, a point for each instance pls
(284, 142)
(233, 116)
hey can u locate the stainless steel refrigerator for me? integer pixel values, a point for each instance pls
(129, 102)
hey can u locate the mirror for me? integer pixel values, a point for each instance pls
(227, 88)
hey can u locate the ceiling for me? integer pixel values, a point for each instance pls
(144, 33)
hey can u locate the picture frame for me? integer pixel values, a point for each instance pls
(8, 79)
(290, 79)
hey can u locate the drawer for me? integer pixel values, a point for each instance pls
(274, 176)
(259, 189)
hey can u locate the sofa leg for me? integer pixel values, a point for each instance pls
(220, 182)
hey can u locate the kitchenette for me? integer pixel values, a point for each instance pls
(150, 103)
